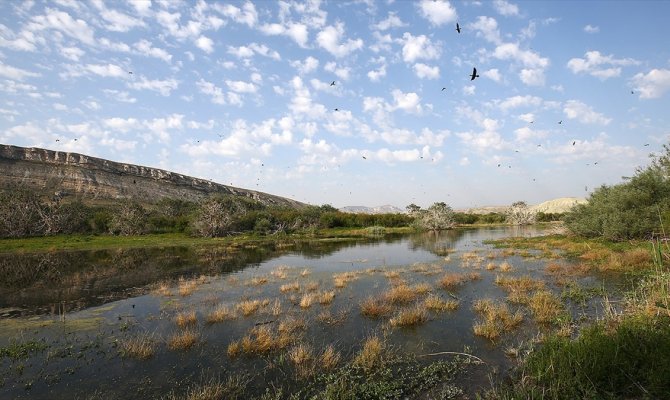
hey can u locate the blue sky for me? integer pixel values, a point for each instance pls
(240, 93)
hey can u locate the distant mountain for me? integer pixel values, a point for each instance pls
(555, 206)
(387, 209)
(92, 179)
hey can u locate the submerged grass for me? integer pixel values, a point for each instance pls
(140, 346)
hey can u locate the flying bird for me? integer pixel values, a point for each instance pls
(130, 72)
(647, 144)
(458, 28)
(560, 122)
(332, 83)
(365, 158)
(573, 142)
(443, 89)
(474, 74)
(337, 109)
(632, 92)
(498, 165)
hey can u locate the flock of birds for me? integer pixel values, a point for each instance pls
(474, 75)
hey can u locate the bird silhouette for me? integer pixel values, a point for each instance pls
(647, 144)
(337, 109)
(573, 142)
(130, 72)
(474, 74)
(443, 89)
(365, 158)
(458, 28)
(498, 165)
(58, 140)
(560, 122)
(332, 83)
(632, 92)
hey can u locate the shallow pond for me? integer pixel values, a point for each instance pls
(71, 318)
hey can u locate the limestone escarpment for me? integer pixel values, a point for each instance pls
(49, 172)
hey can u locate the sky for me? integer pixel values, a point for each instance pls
(347, 102)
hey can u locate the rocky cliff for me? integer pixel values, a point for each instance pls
(70, 174)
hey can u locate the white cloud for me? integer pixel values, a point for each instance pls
(251, 49)
(376, 74)
(505, 8)
(306, 66)
(108, 70)
(15, 73)
(145, 47)
(296, 31)
(525, 134)
(653, 84)
(120, 22)
(518, 101)
(330, 37)
(391, 156)
(426, 72)
(164, 87)
(72, 53)
(341, 72)
(302, 104)
(121, 96)
(142, 7)
(216, 93)
(600, 66)
(437, 12)
(245, 15)
(493, 74)
(241, 86)
(122, 124)
(205, 44)
(487, 28)
(392, 21)
(532, 76)
(61, 21)
(418, 47)
(575, 109)
(591, 29)
(409, 102)
(534, 65)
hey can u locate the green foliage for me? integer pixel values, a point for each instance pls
(632, 209)
(632, 361)
(548, 217)
(18, 350)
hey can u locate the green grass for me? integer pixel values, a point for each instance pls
(17, 350)
(101, 242)
(631, 360)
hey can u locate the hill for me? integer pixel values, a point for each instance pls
(555, 206)
(94, 179)
(386, 209)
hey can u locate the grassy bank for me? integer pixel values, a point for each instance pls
(624, 355)
(101, 242)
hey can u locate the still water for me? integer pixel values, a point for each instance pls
(79, 307)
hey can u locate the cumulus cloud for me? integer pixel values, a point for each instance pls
(438, 12)
(426, 72)
(15, 73)
(246, 15)
(339, 71)
(392, 21)
(375, 75)
(493, 74)
(487, 28)
(653, 84)
(532, 73)
(505, 8)
(575, 109)
(145, 47)
(251, 49)
(241, 86)
(205, 44)
(599, 65)
(120, 22)
(591, 29)
(409, 102)
(306, 66)
(418, 47)
(164, 87)
(296, 31)
(518, 101)
(330, 39)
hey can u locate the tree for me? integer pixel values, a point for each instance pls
(520, 214)
(413, 209)
(216, 215)
(437, 217)
(129, 219)
(19, 216)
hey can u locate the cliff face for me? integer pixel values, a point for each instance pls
(50, 172)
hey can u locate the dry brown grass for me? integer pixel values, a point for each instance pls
(491, 266)
(183, 340)
(519, 288)
(220, 314)
(545, 306)
(342, 279)
(307, 300)
(292, 326)
(248, 307)
(554, 268)
(301, 356)
(375, 308)
(163, 289)
(409, 317)
(141, 346)
(258, 281)
(392, 274)
(305, 272)
(186, 319)
(505, 266)
(401, 294)
(260, 340)
(427, 269)
(329, 318)
(330, 358)
(422, 288)
(450, 280)
(187, 287)
(497, 319)
(276, 309)
(290, 287)
(371, 353)
(234, 349)
(325, 298)
(281, 272)
(312, 286)
(435, 303)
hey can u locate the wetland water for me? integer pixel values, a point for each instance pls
(72, 314)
